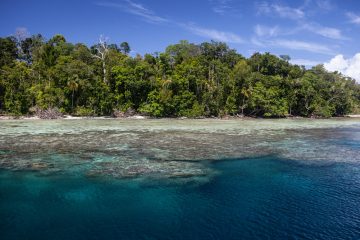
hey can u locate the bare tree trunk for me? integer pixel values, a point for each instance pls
(104, 71)
(102, 50)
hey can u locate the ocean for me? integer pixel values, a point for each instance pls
(180, 179)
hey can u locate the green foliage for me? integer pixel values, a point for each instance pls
(15, 84)
(8, 51)
(83, 111)
(231, 106)
(153, 106)
(267, 101)
(187, 80)
(125, 47)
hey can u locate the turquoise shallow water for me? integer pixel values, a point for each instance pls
(304, 183)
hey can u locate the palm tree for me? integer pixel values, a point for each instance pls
(73, 86)
(246, 92)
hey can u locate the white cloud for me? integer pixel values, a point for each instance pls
(299, 16)
(257, 42)
(338, 63)
(349, 67)
(214, 34)
(135, 9)
(221, 6)
(264, 31)
(354, 18)
(325, 5)
(300, 45)
(327, 32)
(263, 8)
(280, 10)
(287, 12)
(330, 32)
(305, 62)
(294, 45)
(149, 16)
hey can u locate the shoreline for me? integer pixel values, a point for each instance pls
(142, 117)
(68, 117)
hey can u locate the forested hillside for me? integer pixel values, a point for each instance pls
(191, 80)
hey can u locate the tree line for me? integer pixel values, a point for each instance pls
(191, 80)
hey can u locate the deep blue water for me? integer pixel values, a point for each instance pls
(259, 198)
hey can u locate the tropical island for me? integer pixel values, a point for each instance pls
(113, 127)
(54, 77)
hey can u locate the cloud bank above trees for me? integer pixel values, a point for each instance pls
(349, 67)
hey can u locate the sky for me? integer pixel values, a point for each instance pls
(309, 31)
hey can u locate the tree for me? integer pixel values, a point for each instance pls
(73, 86)
(101, 53)
(242, 83)
(192, 80)
(285, 57)
(8, 51)
(15, 81)
(125, 48)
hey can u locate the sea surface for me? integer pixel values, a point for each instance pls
(180, 179)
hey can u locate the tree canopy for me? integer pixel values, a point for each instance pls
(192, 80)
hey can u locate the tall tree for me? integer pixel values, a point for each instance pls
(125, 47)
(101, 53)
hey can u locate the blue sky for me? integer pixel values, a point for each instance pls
(310, 31)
